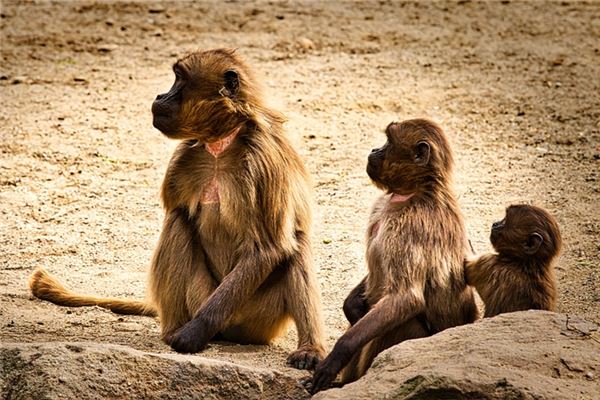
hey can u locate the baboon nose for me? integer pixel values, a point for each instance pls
(497, 224)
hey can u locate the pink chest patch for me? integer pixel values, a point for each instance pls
(210, 192)
(219, 146)
(400, 198)
(374, 229)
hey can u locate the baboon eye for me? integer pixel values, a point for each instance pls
(499, 224)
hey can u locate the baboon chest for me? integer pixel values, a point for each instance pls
(222, 211)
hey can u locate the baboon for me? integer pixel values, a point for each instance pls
(520, 276)
(416, 244)
(234, 259)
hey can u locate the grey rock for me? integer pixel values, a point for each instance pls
(98, 371)
(524, 355)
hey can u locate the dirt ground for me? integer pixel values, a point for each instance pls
(516, 85)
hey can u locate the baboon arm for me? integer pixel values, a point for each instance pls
(238, 286)
(478, 269)
(470, 270)
(390, 312)
(355, 305)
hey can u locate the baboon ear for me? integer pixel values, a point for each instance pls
(232, 84)
(534, 241)
(422, 152)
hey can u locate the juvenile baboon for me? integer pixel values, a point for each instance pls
(234, 257)
(416, 245)
(520, 276)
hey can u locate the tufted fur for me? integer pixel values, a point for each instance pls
(518, 277)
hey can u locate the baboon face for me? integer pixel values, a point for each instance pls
(526, 232)
(206, 98)
(416, 153)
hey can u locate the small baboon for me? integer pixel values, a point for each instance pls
(416, 245)
(520, 276)
(234, 259)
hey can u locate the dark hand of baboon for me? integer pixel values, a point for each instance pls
(305, 358)
(520, 276)
(191, 338)
(355, 305)
(416, 245)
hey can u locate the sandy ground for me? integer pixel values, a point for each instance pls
(516, 84)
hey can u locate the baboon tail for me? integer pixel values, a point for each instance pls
(44, 286)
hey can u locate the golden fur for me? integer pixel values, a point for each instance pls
(240, 268)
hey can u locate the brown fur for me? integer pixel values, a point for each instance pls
(520, 276)
(240, 267)
(415, 250)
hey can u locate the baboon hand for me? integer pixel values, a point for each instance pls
(191, 338)
(306, 357)
(324, 375)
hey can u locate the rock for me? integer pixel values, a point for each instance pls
(156, 9)
(91, 371)
(107, 48)
(524, 355)
(18, 79)
(305, 43)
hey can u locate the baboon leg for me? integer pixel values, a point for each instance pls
(179, 279)
(200, 286)
(261, 319)
(413, 329)
(303, 304)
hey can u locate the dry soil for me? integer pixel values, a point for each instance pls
(516, 85)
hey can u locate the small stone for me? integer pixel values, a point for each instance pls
(306, 43)
(157, 32)
(18, 79)
(326, 241)
(109, 22)
(589, 376)
(107, 48)
(157, 9)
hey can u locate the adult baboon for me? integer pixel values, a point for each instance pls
(234, 257)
